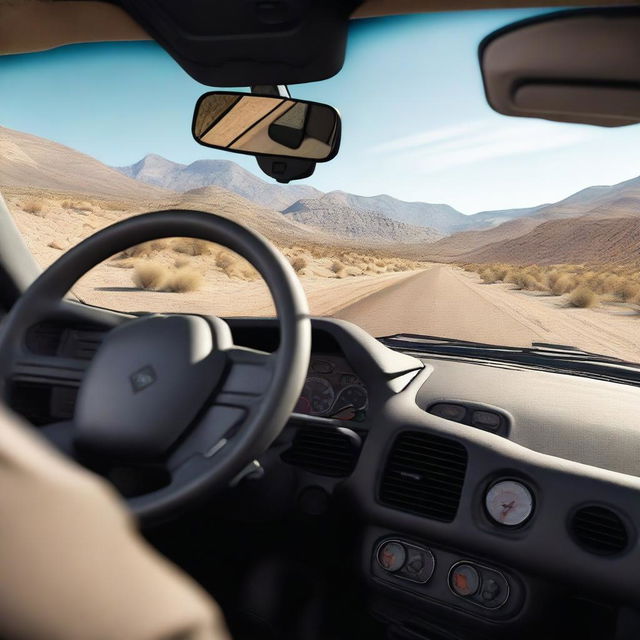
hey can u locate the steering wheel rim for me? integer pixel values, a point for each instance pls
(283, 373)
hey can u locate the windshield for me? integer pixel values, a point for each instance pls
(437, 217)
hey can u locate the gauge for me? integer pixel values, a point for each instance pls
(354, 395)
(320, 395)
(509, 502)
(392, 556)
(321, 366)
(349, 378)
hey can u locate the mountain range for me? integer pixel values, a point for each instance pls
(442, 218)
(594, 224)
(159, 172)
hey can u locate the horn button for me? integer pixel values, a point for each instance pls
(147, 384)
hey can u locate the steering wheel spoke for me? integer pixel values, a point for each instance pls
(48, 369)
(247, 379)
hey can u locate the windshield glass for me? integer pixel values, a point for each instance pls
(437, 217)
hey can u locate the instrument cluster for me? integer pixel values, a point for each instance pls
(333, 390)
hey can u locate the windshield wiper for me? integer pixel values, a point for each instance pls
(543, 349)
(540, 354)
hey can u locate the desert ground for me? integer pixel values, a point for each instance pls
(368, 285)
(182, 274)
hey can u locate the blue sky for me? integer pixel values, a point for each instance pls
(416, 124)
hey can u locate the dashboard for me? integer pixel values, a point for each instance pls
(480, 490)
(485, 493)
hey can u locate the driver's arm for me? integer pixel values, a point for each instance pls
(72, 565)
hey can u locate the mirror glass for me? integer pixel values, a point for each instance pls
(267, 125)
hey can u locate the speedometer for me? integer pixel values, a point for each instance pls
(354, 395)
(319, 394)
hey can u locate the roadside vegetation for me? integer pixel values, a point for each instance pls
(156, 264)
(581, 285)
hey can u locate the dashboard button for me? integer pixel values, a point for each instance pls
(486, 420)
(465, 580)
(454, 412)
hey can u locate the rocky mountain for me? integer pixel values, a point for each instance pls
(29, 161)
(158, 171)
(441, 217)
(359, 224)
(574, 241)
(489, 219)
(509, 240)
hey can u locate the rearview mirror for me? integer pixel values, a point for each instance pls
(572, 66)
(267, 126)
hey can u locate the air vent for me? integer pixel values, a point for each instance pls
(599, 530)
(52, 339)
(325, 450)
(424, 475)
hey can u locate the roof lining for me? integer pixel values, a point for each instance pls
(37, 25)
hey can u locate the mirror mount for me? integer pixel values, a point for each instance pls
(285, 170)
(282, 169)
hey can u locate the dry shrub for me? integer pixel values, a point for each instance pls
(184, 280)
(629, 291)
(500, 273)
(583, 297)
(225, 260)
(83, 206)
(488, 276)
(353, 271)
(530, 282)
(523, 280)
(180, 263)
(150, 275)
(67, 204)
(123, 263)
(143, 250)
(338, 266)
(191, 246)
(34, 207)
(158, 245)
(298, 263)
(250, 273)
(562, 284)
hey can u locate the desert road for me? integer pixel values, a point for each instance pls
(445, 301)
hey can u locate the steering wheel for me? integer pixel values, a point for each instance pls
(174, 389)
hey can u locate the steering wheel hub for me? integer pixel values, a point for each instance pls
(147, 384)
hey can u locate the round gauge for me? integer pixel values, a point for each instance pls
(392, 556)
(509, 502)
(320, 395)
(354, 396)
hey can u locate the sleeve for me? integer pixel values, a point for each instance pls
(73, 565)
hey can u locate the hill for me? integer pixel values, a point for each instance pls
(158, 171)
(581, 240)
(30, 161)
(358, 224)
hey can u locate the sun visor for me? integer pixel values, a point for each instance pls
(233, 43)
(572, 66)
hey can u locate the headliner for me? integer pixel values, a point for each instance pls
(37, 25)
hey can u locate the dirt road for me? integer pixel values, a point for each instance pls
(445, 301)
